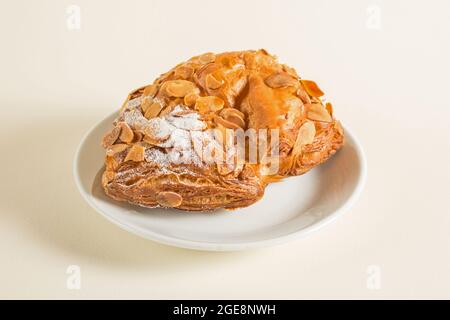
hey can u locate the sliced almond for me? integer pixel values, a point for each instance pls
(166, 111)
(305, 136)
(212, 82)
(209, 104)
(312, 88)
(138, 137)
(152, 141)
(303, 95)
(158, 129)
(136, 154)
(317, 112)
(207, 58)
(153, 110)
(279, 80)
(169, 199)
(190, 99)
(231, 111)
(290, 71)
(146, 103)
(111, 163)
(236, 120)
(225, 123)
(329, 108)
(115, 149)
(150, 91)
(184, 72)
(107, 177)
(111, 137)
(127, 133)
(179, 88)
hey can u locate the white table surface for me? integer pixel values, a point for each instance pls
(384, 64)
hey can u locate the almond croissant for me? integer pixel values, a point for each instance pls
(155, 153)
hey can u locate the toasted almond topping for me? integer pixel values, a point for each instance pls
(280, 79)
(151, 141)
(290, 71)
(111, 137)
(158, 129)
(184, 72)
(169, 199)
(303, 95)
(107, 177)
(153, 110)
(150, 90)
(146, 103)
(236, 120)
(329, 108)
(305, 136)
(209, 103)
(137, 137)
(136, 153)
(111, 163)
(212, 82)
(190, 99)
(127, 133)
(115, 149)
(179, 88)
(317, 112)
(225, 123)
(207, 58)
(232, 111)
(312, 88)
(166, 111)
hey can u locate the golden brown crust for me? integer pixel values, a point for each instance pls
(233, 90)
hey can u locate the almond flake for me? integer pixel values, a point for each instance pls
(212, 82)
(279, 80)
(127, 133)
(317, 112)
(232, 111)
(111, 137)
(209, 104)
(146, 103)
(107, 177)
(179, 88)
(169, 199)
(305, 136)
(207, 58)
(312, 88)
(115, 149)
(225, 123)
(329, 108)
(184, 72)
(153, 110)
(190, 99)
(236, 120)
(150, 90)
(136, 154)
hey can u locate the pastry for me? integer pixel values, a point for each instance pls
(186, 140)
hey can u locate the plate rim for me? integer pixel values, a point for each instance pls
(218, 246)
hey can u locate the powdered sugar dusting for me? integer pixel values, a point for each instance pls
(171, 136)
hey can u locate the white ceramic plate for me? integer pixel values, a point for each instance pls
(289, 209)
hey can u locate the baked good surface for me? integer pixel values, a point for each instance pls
(215, 130)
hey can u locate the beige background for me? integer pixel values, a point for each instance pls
(389, 84)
